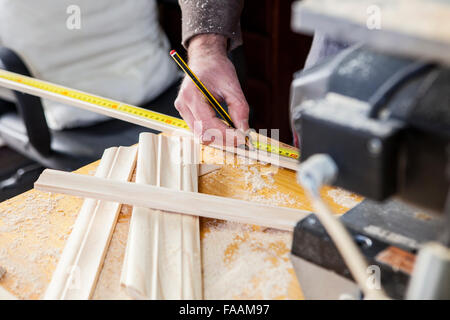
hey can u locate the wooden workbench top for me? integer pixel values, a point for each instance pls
(239, 261)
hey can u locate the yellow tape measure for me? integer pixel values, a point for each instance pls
(71, 96)
(289, 152)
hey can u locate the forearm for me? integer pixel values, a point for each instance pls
(207, 45)
(220, 17)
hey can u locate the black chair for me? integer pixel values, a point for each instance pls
(23, 127)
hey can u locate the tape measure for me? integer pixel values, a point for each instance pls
(287, 151)
(116, 109)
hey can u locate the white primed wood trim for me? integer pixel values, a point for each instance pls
(162, 259)
(161, 198)
(80, 264)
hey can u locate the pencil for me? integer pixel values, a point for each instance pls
(214, 103)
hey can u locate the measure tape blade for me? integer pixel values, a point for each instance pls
(115, 109)
(86, 101)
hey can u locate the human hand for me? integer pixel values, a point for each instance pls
(208, 60)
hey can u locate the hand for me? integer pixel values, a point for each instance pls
(208, 60)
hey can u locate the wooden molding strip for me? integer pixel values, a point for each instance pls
(79, 230)
(77, 271)
(160, 198)
(162, 259)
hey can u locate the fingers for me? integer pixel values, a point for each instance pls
(185, 113)
(239, 110)
(212, 128)
(199, 115)
(221, 80)
(204, 123)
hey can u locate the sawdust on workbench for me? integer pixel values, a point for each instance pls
(242, 261)
(239, 261)
(344, 198)
(258, 181)
(268, 184)
(246, 262)
(29, 234)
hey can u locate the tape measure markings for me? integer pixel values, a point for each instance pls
(119, 107)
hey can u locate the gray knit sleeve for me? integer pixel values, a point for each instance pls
(212, 16)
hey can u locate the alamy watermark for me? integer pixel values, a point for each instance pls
(373, 21)
(73, 21)
(235, 142)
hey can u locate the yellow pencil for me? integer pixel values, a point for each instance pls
(214, 103)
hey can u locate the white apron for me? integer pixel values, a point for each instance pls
(119, 52)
